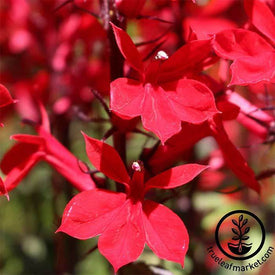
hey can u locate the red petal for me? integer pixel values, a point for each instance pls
(232, 156)
(45, 123)
(123, 241)
(90, 212)
(158, 114)
(251, 70)
(18, 154)
(3, 190)
(192, 101)
(65, 162)
(236, 43)
(69, 169)
(229, 110)
(174, 149)
(165, 232)
(186, 58)
(16, 175)
(128, 49)
(29, 139)
(261, 17)
(175, 177)
(106, 159)
(127, 97)
(5, 97)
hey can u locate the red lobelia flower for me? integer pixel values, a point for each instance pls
(161, 96)
(30, 149)
(127, 221)
(253, 56)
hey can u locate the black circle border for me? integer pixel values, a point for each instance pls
(244, 212)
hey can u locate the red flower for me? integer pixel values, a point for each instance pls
(161, 96)
(127, 221)
(253, 57)
(29, 150)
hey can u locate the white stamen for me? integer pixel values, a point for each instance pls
(161, 55)
(136, 166)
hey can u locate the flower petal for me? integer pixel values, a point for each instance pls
(90, 212)
(175, 177)
(128, 49)
(106, 159)
(158, 115)
(175, 148)
(261, 17)
(189, 57)
(18, 154)
(3, 190)
(123, 241)
(127, 97)
(165, 232)
(236, 43)
(45, 123)
(192, 101)
(232, 156)
(30, 139)
(15, 176)
(5, 97)
(252, 70)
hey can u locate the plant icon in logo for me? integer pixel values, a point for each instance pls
(245, 226)
(241, 247)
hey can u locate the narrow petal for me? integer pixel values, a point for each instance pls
(192, 101)
(165, 232)
(261, 17)
(128, 49)
(70, 170)
(175, 177)
(15, 176)
(29, 139)
(90, 212)
(190, 56)
(5, 97)
(65, 162)
(123, 241)
(18, 154)
(158, 114)
(45, 123)
(3, 190)
(232, 156)
(106, 159)
(127, 97)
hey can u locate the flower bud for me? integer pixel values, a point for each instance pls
(130, 8)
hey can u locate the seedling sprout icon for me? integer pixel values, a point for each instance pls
(240, 233)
